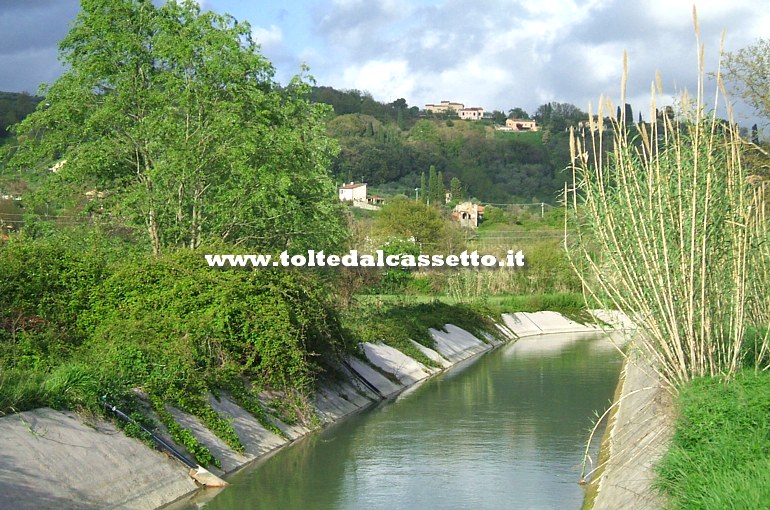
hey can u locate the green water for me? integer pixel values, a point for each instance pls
(505, 431)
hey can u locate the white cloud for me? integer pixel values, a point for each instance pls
(386, 80)
(268, 37)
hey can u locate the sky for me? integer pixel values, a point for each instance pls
(497, 54)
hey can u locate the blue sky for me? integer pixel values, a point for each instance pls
(497, 54)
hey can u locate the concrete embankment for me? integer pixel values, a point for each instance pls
(55, 459)
(636, 438)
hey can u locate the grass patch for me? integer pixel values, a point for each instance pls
(720, 453)
(394, 321)
(569, 304)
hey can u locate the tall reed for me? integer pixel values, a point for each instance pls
(670, 231)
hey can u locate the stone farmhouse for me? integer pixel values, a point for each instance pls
(468, 214)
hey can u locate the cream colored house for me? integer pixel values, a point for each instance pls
(444, 107)
(521, 125)
(353, 192)
(473, 113)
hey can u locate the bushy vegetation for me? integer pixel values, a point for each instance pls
(494, 167)
(83, 318)
(672, 229)
(205, 147)
(13, 108)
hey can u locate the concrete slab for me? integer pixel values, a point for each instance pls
(520, 324)
(432, 355)
(456, 344)
(229, 458)
(507, 333)
(385, 386)
(334, 401)
(255, 437)
(491, 339)
(391, 360)
(541, 323)
(52, 459)
(616, 319)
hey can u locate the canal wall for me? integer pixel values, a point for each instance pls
(636, 437)
(54, 459)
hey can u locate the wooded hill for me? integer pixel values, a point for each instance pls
(14, 107)
(390, 145)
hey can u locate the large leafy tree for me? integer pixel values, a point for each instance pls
(175, 114)
(748, 71)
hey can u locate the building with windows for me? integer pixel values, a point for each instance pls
(444, 107)
(353, 192)
(520, 125)
(474, 113)
(468, 214)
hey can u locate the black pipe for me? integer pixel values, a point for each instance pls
(361, 378)
(160, 442)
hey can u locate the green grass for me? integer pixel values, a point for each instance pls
(533, 137)
(720, 453)
(395, 321)
(565, 302)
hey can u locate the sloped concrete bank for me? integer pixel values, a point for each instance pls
(54, 459)
(636, 438)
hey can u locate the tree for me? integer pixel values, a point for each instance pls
(746, 70)
(456, 189)
(423, 189)
(518, 113)
(176, 113)
(498, 117)
(559, 116)
(435, 188)
(409, 220)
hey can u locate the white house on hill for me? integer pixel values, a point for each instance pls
(353, 192)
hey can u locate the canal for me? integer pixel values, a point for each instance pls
(506, 430)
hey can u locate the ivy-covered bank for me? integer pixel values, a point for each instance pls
(84, 318)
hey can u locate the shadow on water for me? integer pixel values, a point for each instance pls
(506, 431)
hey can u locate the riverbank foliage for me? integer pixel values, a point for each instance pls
(83, 317)
(720, 455)
(396, 322)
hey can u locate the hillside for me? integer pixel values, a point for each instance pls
(14, 107)
(390, 145)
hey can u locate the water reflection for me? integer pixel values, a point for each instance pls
(504, 432)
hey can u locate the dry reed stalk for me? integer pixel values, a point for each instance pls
(671, 233)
